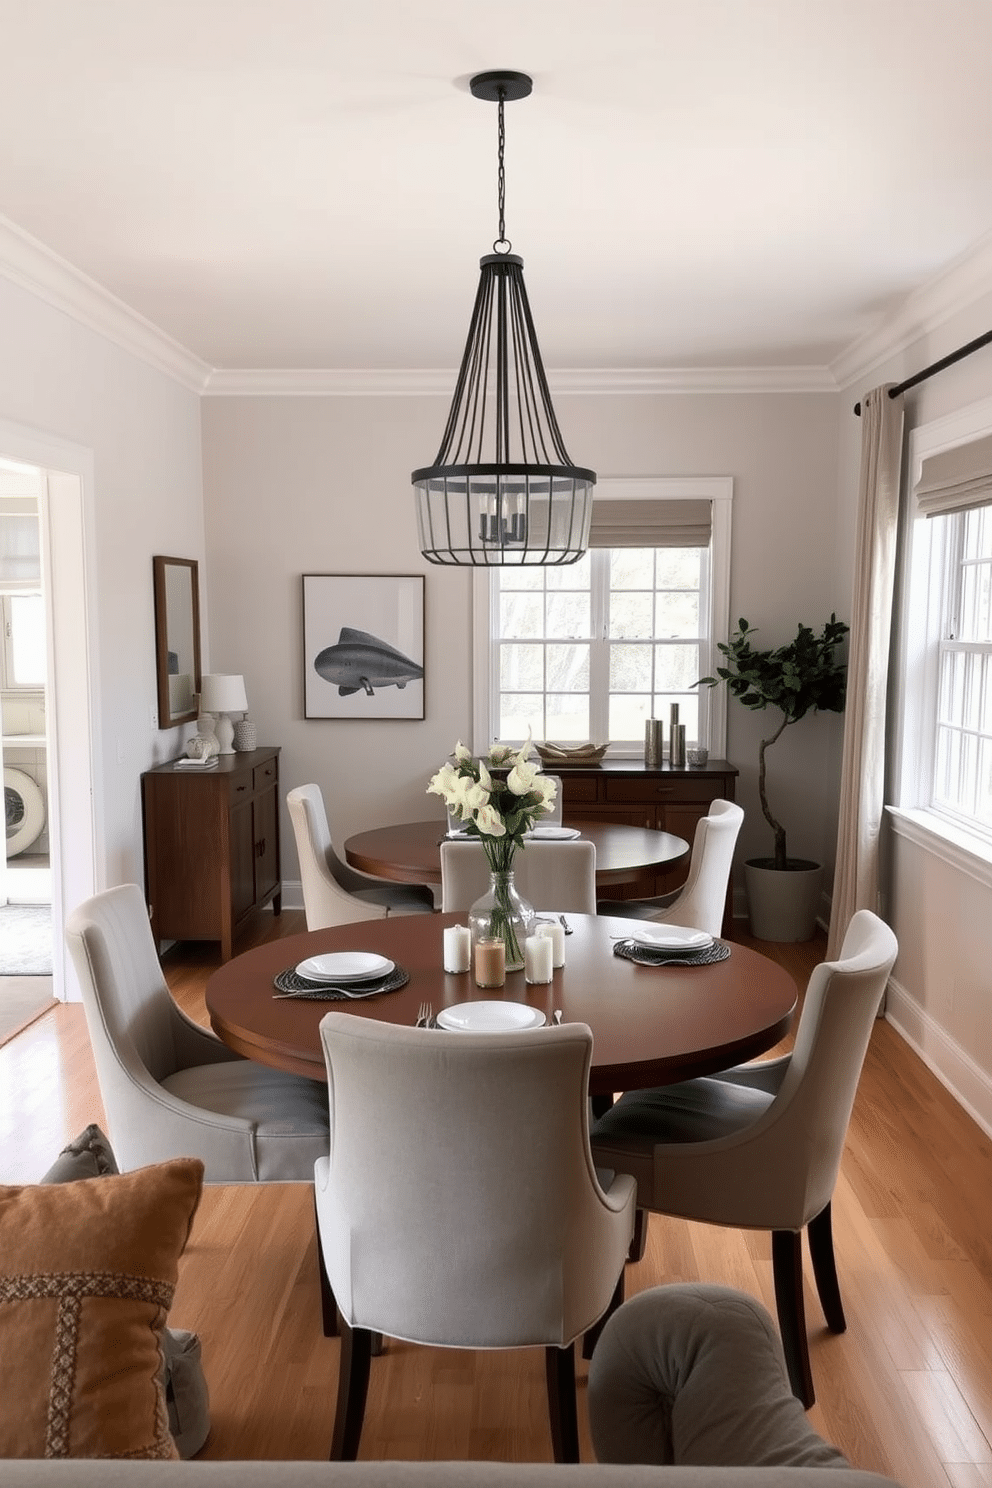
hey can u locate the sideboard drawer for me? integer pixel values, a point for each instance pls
(624, 788)
(264, 775)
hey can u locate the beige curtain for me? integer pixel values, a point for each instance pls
(863, 768)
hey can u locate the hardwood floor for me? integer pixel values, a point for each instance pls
(906, 1391)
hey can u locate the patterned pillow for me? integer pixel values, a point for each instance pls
(87, 1275)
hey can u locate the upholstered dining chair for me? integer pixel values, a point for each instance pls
(169, 1087)
(458, 1205)
(699, 904)
(759, 1146)
(333, 893)
(558, 876)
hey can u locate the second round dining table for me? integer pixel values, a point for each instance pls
(410, 852)
(652, 1025)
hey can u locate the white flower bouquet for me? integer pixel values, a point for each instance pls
(498, 809)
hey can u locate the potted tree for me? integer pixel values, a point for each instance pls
(801, 677)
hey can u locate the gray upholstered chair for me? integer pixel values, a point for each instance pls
(559, 876)
(759, 1146)
(169, 1087)
(459, 1206)
(333, 893)
(699, 904)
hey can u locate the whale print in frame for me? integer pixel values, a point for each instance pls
(363, 646)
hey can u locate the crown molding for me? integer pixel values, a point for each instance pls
(329, 382)
(923, 311)
(32, 266)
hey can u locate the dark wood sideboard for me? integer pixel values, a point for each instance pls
(671, 800)
(211, 846)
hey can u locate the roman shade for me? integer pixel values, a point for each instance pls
(651, 524)
(955, 479)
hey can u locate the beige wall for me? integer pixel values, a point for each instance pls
(299, 485)
(142, 432)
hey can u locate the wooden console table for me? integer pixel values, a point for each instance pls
(211, 846)
(644, 796)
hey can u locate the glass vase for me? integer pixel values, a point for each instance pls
(502, 915)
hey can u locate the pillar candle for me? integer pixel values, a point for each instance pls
(457, 948)
(490, 963)
(556, 935)
(538, 958)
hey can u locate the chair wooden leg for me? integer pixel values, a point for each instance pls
(591, 1336)
(353, 1389)
(787, 1266)
(328, 1306)
(639, 1239)
(819, 1232)
(560, 1370)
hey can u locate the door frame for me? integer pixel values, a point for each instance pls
(68, 549)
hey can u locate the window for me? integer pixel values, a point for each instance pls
(591, 650)
(945, 781)
(962, 772)
(22, 656)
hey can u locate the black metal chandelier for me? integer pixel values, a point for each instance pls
(502, 489)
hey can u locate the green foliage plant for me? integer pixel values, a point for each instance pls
(801, 677)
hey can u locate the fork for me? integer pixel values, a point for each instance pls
(425, 1015)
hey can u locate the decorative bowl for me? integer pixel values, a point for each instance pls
(578, 754)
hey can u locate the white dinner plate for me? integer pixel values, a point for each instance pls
(344, 966)
(489, 1017)
(671, 938)
(554, 834)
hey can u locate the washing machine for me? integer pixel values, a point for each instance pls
(24, 810)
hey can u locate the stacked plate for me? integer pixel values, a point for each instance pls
(670, 940)
(489, 1017)
(553, 834)
(342, 968)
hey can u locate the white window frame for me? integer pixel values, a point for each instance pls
(922, 614)
(718, 489)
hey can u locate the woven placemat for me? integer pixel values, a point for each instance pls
(289, 983)
(645, 956)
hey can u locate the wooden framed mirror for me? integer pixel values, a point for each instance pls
(177, 639)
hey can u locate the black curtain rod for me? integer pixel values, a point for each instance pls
(947, 361)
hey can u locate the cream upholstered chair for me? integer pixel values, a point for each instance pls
(458, 1205)
(758, 1147)
(699, 904)
(556, 876)
(169, 1087)
(333, 893)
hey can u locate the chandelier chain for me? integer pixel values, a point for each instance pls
(501, 177)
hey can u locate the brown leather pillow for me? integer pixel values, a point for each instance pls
(87, 1275)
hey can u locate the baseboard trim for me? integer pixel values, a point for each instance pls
(969, 1084)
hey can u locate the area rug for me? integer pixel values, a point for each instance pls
(25, 940)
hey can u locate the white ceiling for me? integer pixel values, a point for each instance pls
(309, 183)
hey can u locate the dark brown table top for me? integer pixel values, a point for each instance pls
(651, 1025)
(411, 851)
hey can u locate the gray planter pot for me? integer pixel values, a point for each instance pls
(782, 904)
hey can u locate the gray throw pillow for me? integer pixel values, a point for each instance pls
(90, 1155)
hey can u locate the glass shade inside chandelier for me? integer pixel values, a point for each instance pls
(502, 489)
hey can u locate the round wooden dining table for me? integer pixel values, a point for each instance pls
(411, 851)
(652, 1025)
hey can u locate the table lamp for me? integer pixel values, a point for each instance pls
(223, 695)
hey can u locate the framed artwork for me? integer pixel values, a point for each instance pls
(363, 646)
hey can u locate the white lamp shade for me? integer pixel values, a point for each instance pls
(223, 694)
